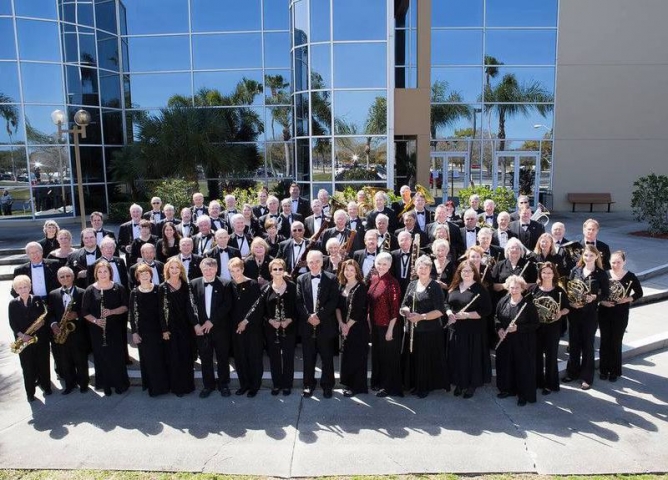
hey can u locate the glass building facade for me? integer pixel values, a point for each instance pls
(323, 74)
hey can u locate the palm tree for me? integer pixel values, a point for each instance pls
(446, 108)
(9, 112)
(280, 114)
(491, 68)
(376, 122)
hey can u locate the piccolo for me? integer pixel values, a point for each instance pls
(513, 322)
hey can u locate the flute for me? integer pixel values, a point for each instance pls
(512, 322)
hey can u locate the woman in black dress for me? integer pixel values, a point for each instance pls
(468, 354)
(177, 316)
(272, 237)
(590, 280)
(50, 241)
(62, 253)
(516, 323)
(168, 245)
(147, 333)
(251, 224)
(248, 339)
(515, 263)
(351, 313)
(548, 297)
(279, 312)
(545, 251)
(443, 269)
(256, 265)
(424, 348)
(145, 236)
(104, 305)
(613, 316)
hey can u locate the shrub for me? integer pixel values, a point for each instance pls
(504, 198)
(176, 191)
(650, 202)
(119, 212)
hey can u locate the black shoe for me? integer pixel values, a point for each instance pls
(348, 393)
(382, 393)
(128, 361)
(121, 391)
(375, 388)
(566, 379)
(251, 393)
(603, 376)
(31, 398)
(224, 392)
(457, 392)
(67, 391)
(468, 393)
(241, 391)
(287, 391)
(107, 392)
(422, 394)
(180, 395)
(47, 392)
(307, 393)
(327, 393)
(275, 391)
(205, 393)
(585, 386)
(521, 402)
(613, 378)
(503, 395)
(546, 391)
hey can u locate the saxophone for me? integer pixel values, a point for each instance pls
(385, 246)
(66, 326)
(19, 345)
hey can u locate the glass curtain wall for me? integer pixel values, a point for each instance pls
(493, 78)
(339, 53)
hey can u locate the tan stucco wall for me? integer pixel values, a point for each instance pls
(611, 113)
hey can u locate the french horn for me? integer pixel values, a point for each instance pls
(577, 292)
(548, 309)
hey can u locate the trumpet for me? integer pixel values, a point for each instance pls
(19, 345)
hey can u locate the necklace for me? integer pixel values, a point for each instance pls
(145, 289)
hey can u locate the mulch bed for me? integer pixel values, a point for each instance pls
(645, 233)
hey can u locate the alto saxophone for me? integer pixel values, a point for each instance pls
(19, 345)
(66, 325)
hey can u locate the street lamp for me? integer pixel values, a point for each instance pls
(81, 120)
(540, 125)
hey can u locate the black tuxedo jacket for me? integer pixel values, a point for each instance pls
(251, 269)
(20, 318)
(260, 211)
(394, 243)
(309, 224)
(202, 244)
(529, 238)
(133, 269)
(397, 258)
(215, 253)
(328, 297)
(193, 271)
(424, 238)
(303, 207)
(219, 223)
(99, 235)
(125, 236)
(50, 274)
(371, 219)
(78, 261)
(221, 305)
(483, 216)
(285, 222)
(78, 337)
(122, 271)
(495, 236)
(263, 218)
(194, 210)
(497, 252)
(359, 227)
(456, 245)
(358, 241)
(462, 238)
(191, 233)
(234, 241)
(428, 218)
(360, 255)
(603, 248)
(286, 252)
(157, 227)
(150, 215)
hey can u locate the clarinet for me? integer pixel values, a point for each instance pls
(279, 314)
(351, 297)
(314, 335)
(104, 328)
(165, 305)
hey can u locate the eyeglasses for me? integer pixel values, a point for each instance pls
(467, 271)
(155, 203)
(277, 269)
(524, 202)
(297, 229)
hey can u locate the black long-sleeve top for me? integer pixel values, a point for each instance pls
(596, 281)
(527, 322)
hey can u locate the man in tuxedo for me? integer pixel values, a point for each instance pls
(230, 209)
(527, 230)
(42, 271)
(97, 222)
(212, 327)
(312, 223)
(128, 231)
(469, 232)
(474, 203)
(410, 226)
(440, 218)
(298, 205)
(238, 239)
(386, 240)
(120, 272)
(223, 253)
(380, 203)
(80, 260)
(203, 240)
(190, 261)
(354, 221)
(272, 206)
(317, 297)
(502, 233)
(186, 227)
(401, 261)
(400, 205)
(155, 215)
(261, 208)
(522, 202)
(323, 196)
(217, 221)
(342, 233)
(286, 218)
(366, 256)
(198, 207)
(490, 250)
(488, 217)
(590, 229)
(169, 213)
(558, 232)
(291, 250)
(73, 354)
(148, 257)
(423, 215)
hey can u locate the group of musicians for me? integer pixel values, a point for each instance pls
(428, 293)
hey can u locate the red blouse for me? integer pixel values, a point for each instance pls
(384, 299)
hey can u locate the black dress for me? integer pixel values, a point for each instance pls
(612, 321)
(48, 245)
(515, 357)
(172, 251)
(110, 369)
(468, 353)
(62, 261)
(425, 364)
(281, 342)
(145, 321)
(255, 271)
(355, 347)
(177, 317)
(248, 345)
(547, 341)
(446, 275)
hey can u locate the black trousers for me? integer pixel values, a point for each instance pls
(321, 346)
(281, 358)
(515, 365)
(248, 350)
(547, 355)
(35, 365)
(207, 345)
(73, 360)
(612, 323)
(387, 368)
(582, 323)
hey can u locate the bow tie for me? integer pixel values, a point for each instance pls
(39, 265)
(404, 254)
(295, 200)
(208, 284)
(370, 254)
(590, 243)
(152, 265)
(490, 217)
(298, 245)
(90, 253)
(109, 260)
(186, 259)
(185, 225)
(525, 224)
(66, 291)
(470, 231)
(135, 225)
(224, 250)
(313, 277)
(98, 231)
(420, 213)
(318, 217)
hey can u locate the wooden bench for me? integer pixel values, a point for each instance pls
(591, 199)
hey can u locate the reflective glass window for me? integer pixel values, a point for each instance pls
(321, 160)
(276, 15)
(302, 157)
(95, 198)
(48, 198)
(123, 19)
(5, 7)
(127, 94)
(36, 8)
(68, 12)
(228, 82)
(39, 127)
(519, 125)
(92, 164)
(360, 65)
(540, 79)
(321, 66)
(277, 87)
(355, 20)
(38, 40)
(93, 130)
(277, 50)
(278, 157)
(226, 15)
(10, 82)
(85, 14)
(461, 84)
(521, 13)
(154, 90)
(302, 113)
(360, 112)
(149, 54)
(301, 68)
(13, 161)
(236, 50)
(105, 16)
(522, 47)
(108, 48)
(112, 127)
(125, 55)
(87, 53)
(110, 90)
(36, 88)
(50, 165)
(300, 21)
(449, 121)
(278, 123)
(456, 47)
(142, 16)
(366, 157)
(131, 123)
(82, 86)
(7, 46)
(11, 123)
(71, 46)
(321, 112)
(454, 13)
(320, 22)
